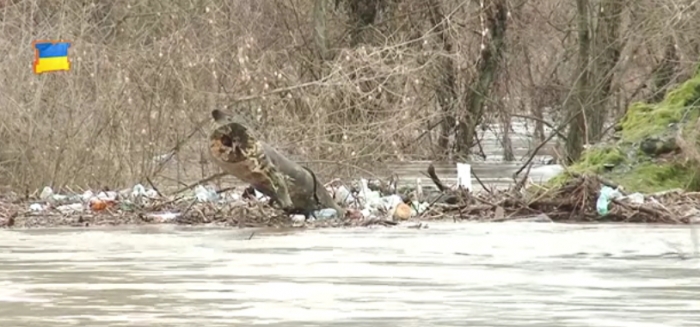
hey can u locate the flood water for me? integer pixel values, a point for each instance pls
(451, 274)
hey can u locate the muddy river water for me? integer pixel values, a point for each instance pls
(451, 274)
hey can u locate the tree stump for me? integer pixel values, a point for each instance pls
(294, 187)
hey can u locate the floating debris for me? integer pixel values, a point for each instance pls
(581, 198)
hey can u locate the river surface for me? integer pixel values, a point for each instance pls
(465, 274)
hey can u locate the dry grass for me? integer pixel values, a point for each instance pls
(146, 74)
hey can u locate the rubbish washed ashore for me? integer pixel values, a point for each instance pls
(584, 198)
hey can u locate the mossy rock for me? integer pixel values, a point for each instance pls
(655, 146)
(643, 120)
(645, 157)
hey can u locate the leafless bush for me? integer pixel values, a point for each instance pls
(146, 74)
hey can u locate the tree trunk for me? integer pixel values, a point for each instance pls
(506, 142)
(496, 16)
(362, 14)
(296, 188)
(320, 34)
(576, 103)
(446, 90)
(608, 47)
(664, 73)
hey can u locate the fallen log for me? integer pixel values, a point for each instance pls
(294, 187)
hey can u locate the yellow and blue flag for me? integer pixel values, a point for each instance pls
(51, 56)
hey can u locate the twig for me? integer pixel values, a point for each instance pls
(187, 209)
(201, 181)
(481, 183)
(163, 204)
(430, 205)
(424, 133)
(653, 213)
(150, 182)
(544, 122)
(546, 140)
(177, 148)
(334, 180)
(223, 190)
(519, 184)
(478, 143)
(339, 163)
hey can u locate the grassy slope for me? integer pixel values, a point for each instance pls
(649, 125)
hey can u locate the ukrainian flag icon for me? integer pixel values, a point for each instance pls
(51, 56)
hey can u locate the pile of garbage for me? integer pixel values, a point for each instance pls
(201, 204)
(592, 198)
(583, 198)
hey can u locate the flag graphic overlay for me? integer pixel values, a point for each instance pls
(51, 56)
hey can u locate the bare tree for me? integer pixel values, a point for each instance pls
(665, 71)
(495, 15)
(320, 31)
(576, 102)
(607, 48)
(446, 88)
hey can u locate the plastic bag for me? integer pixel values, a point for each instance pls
(607, 194)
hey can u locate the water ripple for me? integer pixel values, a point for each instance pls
(509, 274)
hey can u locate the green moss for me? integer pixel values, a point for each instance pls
(647, 177)
(648, 126)
(553, 183)
(650, 177)
(643, 120)
(595, 159)
(686, 95)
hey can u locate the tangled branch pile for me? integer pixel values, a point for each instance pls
(573, 201)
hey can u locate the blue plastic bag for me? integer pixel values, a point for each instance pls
(607, 194)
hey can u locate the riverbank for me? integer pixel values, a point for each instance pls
(576, 200)
(655, 145)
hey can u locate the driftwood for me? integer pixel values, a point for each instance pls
(239, 153)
